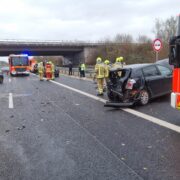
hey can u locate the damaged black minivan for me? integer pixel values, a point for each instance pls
(138, 83)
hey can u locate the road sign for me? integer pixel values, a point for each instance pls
(157, 45)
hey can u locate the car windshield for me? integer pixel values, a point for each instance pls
(19, 61)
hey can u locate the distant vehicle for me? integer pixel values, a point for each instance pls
(5, 69)
(32, 63)
(19, 64)
(56, 73)
(1, 77)
(138, 83)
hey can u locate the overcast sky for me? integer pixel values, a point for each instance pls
(81, 19)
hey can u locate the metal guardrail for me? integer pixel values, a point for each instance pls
(89, 72)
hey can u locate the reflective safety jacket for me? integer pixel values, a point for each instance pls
(100, 71)
(117, 65)
(48, 68)
(106, 70)
(83, 67)
(53, 67)
(40, 68)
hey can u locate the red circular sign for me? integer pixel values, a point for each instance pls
(157, 45)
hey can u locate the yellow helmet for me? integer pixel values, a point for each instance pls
(117, 59)
(106, 61)
(121, 59)
(98, 60)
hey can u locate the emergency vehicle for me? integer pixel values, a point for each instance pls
(32, 63)
(174, 59)
(19, 64)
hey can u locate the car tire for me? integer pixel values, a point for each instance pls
(144, 97)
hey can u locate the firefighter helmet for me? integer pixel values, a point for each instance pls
(106, 61)
(98, 60)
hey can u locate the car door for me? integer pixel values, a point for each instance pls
(153, 80)
(167, 78)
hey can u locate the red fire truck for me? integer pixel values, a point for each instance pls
(174, 59)
(19, 64)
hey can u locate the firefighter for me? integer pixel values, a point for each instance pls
(48, 71)
(106, 71)
(83, 68)
(53, 70)
(99, 70)
(41, 71)
(118, 63)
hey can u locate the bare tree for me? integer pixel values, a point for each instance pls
(144, 39)
(165, 29)
(123, 38)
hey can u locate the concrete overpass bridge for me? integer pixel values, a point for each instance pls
(74, 51)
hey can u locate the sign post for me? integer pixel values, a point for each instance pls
(157, 46)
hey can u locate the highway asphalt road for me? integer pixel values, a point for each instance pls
(50, 132)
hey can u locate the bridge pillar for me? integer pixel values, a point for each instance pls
(90, 54)
(87, 56)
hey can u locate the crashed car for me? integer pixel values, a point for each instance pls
(1, 77)
(138, 84)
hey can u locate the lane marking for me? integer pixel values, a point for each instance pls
(11, 105)
(128, 110)
(9, 80)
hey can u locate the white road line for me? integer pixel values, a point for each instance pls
(131, 111)
(11, 105)
(9, 79)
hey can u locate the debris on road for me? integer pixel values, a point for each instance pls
(145, 168)
(123, 159)
(21, 128)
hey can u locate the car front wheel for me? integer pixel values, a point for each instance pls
(144, 97)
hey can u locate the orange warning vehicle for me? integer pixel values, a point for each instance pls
(19, 64)
(32, 64)
(174, 59)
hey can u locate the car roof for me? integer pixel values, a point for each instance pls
(136, 66)
(165, 62)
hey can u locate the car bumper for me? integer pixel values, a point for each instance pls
(118, 104)
(20, 73)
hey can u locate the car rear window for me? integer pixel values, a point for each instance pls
(150, 71)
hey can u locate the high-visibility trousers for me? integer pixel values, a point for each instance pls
(49, 75)
(41, 75)
(100, 82)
